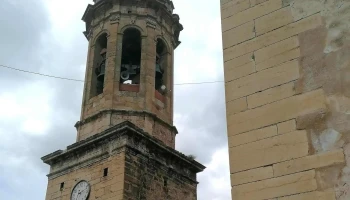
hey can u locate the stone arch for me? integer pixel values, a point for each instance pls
(131, 56)
(104, 31)
(165, 41)
(99, 64)
(163, 66)
(128, 26)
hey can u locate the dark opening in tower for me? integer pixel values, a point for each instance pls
(161, 66)
(131, 57)
(98, 74)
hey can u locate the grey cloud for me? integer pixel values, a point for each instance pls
(205, 127)
(25, 43)
(23, 23)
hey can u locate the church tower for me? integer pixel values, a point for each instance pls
(125, 137)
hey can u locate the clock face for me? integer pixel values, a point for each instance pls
(81, 191)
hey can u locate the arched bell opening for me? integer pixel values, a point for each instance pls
(161, 70)
(98, 73)
(131, 60)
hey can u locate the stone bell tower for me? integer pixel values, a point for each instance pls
(126, 138)
(129, 73)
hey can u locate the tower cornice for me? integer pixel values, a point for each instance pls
(125, 135)
(126, 113)
(166, 6)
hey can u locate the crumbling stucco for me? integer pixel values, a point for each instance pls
(325, 63)
(336, 15)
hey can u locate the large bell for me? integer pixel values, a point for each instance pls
(101, 72)
(158, 70)
(125, 75)
(159, 76)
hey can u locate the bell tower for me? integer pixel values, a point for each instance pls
(129, 74)
(125, 137)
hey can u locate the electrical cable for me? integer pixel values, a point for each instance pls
(70, 79)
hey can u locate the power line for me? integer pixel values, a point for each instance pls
(36, 73)
(77, 80)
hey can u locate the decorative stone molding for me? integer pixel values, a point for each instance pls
(163, 7)
(88, 34)
(100, 11)
(123, 137)
(102, 25)
(114, 18)
(125, 112)
(151, 23)
(133, 19)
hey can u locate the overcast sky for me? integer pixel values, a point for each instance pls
(37, 114)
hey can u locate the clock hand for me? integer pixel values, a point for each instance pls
(81, 192)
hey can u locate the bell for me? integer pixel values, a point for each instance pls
(158, 70)
(101, 76)
(101, 72)
(124, 75)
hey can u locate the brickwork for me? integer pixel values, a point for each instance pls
(287, 98)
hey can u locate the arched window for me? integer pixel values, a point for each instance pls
(98, 73)
(131, 57)
(161, 66)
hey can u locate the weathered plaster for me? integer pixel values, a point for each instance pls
(325, 63)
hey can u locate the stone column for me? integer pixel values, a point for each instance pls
(86, 82)
(148, 68)
(112, 74)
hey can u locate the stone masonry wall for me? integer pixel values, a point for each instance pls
(146, 179)
(138, 166)
(287, 69)
(149, 124)
(109, 187)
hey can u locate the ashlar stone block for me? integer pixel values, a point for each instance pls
(309, 162)
(280, 111)
(269, 151)
(251, 175)
(276, 187)
(252, 136)
(250, 14)
(263, 80)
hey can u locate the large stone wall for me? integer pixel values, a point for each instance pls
(287, 69)
(147, 179)
(148, 122)
(108, 187)
(139, 167)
